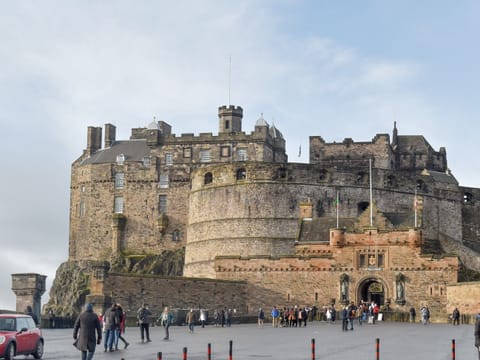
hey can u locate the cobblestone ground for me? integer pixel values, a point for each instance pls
(398, 341)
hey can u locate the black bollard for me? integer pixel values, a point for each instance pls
(377, 349)
(230, 350)
(159, 356)
(313, 349)
(209, 351)
(453, 349)
(184, 353)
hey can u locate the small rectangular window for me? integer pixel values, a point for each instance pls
(225, 151)
(169, 159)
(362, 261)
(163, 181)
(82, 209)
(118, 206)
(119, 180)
(187, 152)
(242, 154)
(205, 155)
(380, 260)
(120, 159)
(146, 161)
(162, 204)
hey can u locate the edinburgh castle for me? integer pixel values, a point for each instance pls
(213, 221)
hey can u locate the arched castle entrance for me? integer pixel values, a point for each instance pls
(372, 289)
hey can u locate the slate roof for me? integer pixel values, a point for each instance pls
(134, 150)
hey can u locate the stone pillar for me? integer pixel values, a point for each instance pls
(29, 289)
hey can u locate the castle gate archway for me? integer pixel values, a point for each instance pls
(372, 289)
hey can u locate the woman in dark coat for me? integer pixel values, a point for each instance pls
(85, 340)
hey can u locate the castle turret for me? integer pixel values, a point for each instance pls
(230, 119)
(337, 237)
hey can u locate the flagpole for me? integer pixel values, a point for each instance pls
(337, 210)
(371, 195)
(415, 207)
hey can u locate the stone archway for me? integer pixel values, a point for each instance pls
(372, 289)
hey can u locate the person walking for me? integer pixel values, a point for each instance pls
(29, 311)
(166, 319)
(143, 316)
(413, 314)
(261, 317)
(190, 320)
(425, 314)
(120, 329)
(345, 318)
(477, 334)
(203, 317)
(87, 332)
(275, 316)
(456, 317)
(111, 322)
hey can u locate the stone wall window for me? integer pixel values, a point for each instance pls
(162, 204)
(361, 178)
(118, 205)
(82, 209)
(205, 155)
(208, 178)
(119, 180)
(362, 261)
(467, 198)
(120, 159)
(187, 152)
(169, 159)
(242, 155)
(163, 181)
(176, 235)
(241, 174)
(146, 161)
(225, 151)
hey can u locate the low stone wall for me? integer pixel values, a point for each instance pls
(464, 296)
(132, 290)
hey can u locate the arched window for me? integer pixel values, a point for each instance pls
(208, 178)
(241, 174)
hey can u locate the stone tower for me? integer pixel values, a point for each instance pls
(230, 119)
(29, 289)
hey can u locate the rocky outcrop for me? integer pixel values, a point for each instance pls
(72, 280)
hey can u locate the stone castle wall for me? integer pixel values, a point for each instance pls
(91, 233)
(177, 292)
(315, 277)
(232, 217)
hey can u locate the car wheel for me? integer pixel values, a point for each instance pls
(38, 353)
(10, 352)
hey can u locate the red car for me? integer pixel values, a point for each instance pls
(19, 335)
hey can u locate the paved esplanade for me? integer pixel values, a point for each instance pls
(398, 341)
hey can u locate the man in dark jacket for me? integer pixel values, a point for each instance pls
(84, 332)
(143, 316)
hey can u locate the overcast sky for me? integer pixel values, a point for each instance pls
(338, 69)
